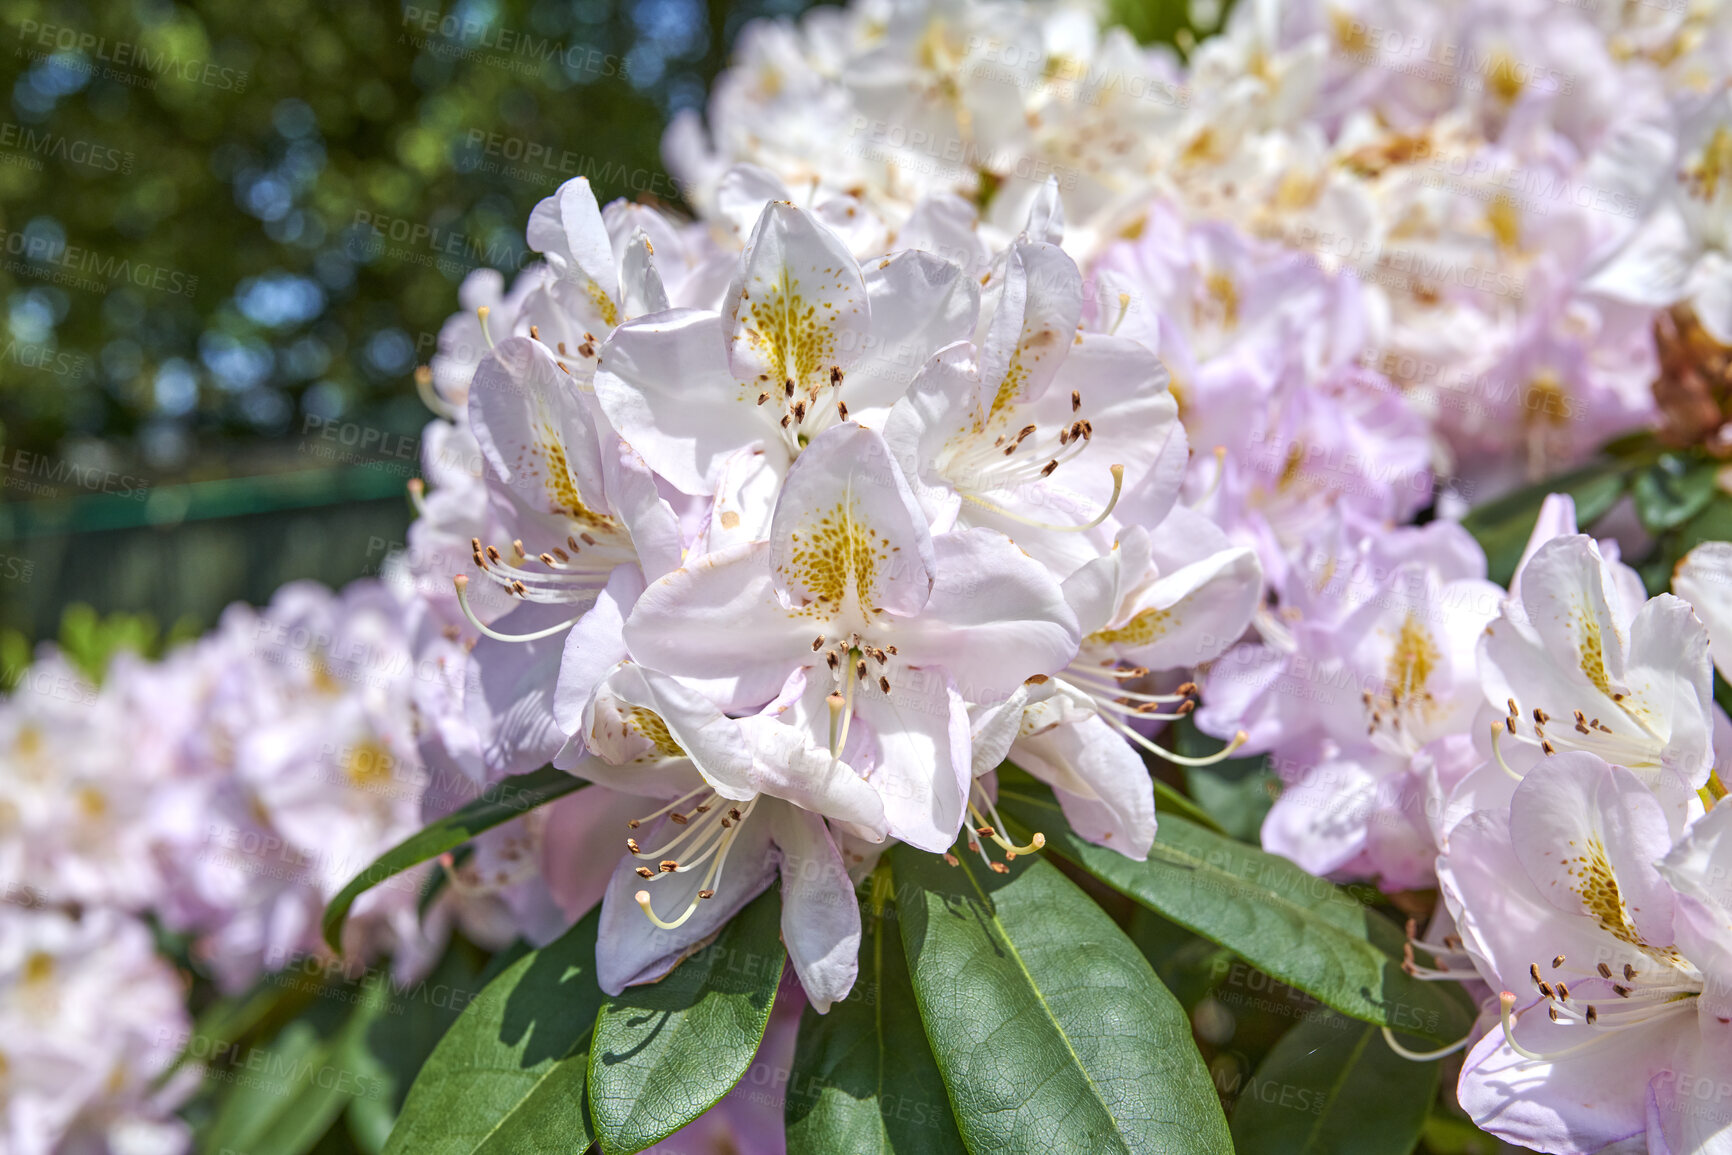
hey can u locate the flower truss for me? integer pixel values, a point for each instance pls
(962, 641)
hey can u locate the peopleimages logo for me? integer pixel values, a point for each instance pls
(43, 143)
(128, 54)
(74, 262)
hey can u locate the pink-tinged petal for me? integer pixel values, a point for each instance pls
(1099, 587)
(995, 619)
(1575, 1106)
(1036, 304)
(1588, 835)
(1690, 1106)
(663, 779)
(1699, 870)
(715, 743)
(593, 647)
(511, 702)
(847, 532)
(920, 303)
(1320, 820)
(630, 949)
(568, 228)
(923, 768)
(993, 728)
(940, 404)
(1564, 598)
(665, 385)
(798, 311)
(1557, 518)
(581, 842)
(1671, 684)
(536, 432)
(1190, 616)
(718, 619)
(1507, 925)
(788, 765)
(1704, 579)
(820, 912)
(639, 285)
(1099, 780)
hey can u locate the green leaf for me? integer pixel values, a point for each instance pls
(1673, 490)
(504, 800)
(666, 1052)
(1049, 1027)
(1296, 927)
(410, 1024)
(286, 1094)
(1332, 1086)
(1234, 794)
(509, 1075)
(1503, 525)
(864, 1079)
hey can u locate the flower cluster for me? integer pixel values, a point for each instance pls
(788, 572)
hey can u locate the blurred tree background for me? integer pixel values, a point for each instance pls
(229, 231)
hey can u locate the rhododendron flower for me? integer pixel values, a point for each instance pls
(1610, 946)
(893, 629)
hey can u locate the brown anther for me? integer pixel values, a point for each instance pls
(1186, 707)
(1591, 1014)
(1557, 962)
(1075, 400)
(973, 846)
(1541, 717)
(1552, 1013)
(1412, 929)
(572, 542)
(1534, 973)
(999, 868)
(1547, 747)
(587, 349)
(1046, 470)
(787, 419)
(534, 333)
(799, 411)
(1546, 990)
(1187, 689)
(835, 374)
(645, 872)
(985, 831)
(492, 554)
(817, 643)
(1623, 992)
(668, 865)
(587, 540)
(734, 813)
(883, 684)
(1629, 973)
(633, 823)
(1563, 992)
(677, 818)
(860, 667)
(561, 554)
(547, 560)
(706, 894)
(518, 589)
(704, 809)
(1513, 712)
(788, 387)
(763, 397)
(832, 659)
(631, 844)
(1605, 971)
(842, 410)
(950, 859)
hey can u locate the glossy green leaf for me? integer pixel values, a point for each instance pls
(1332, 1086)
(1050, 1028)
(504, 800)
(1673, 490)
(1300, 929)
(509, 1075)
(864, 1080)
(666, 1052)
(410, 1023)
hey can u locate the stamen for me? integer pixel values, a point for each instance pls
(1118, 472)
(461, 581)
(486, 333)
(1423, 1056)
(1497, 729)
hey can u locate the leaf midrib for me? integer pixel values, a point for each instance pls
(1040, 996)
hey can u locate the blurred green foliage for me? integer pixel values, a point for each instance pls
(220, 220)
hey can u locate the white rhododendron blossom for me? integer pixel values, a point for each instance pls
(797, 570)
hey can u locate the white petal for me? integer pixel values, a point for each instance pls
(665, 384)
(1704, 579)
(1100, 781)
(847, 532)
(820, 912)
